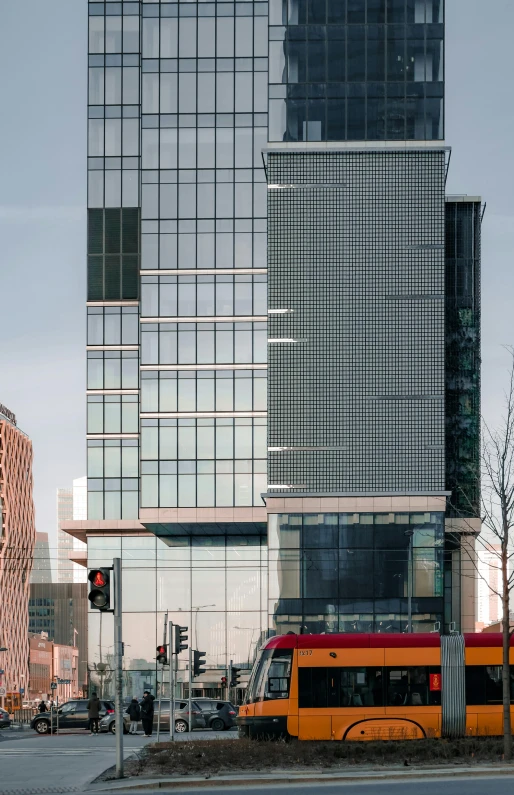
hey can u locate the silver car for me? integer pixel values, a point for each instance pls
(108, 723)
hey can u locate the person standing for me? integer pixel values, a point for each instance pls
(42, 706)
(134, 713)
(147, 713)
(93, 713)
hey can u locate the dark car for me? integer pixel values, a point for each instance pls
(72, 715)
(181, 717)
(5, 720)
(219, 715)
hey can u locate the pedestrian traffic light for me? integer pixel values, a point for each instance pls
(100, 588)
(181, 637)
(198, 662)
(162, 654)
(235, 676)
(223, 681)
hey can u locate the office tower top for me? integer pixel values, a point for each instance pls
(356, 70)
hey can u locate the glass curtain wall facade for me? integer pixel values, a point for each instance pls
(184, 100)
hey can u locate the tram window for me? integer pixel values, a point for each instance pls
(484, 685)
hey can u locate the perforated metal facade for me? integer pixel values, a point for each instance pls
(356, 300)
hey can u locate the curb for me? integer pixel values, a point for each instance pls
(293, 777)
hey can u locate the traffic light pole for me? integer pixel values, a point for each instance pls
(162, 678)
(172, 682)
(118, 656)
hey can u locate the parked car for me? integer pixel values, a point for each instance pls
(181, 718)
(5, 720)
(72, 715)
(219, 715)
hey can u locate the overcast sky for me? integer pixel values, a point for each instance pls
(43, 216)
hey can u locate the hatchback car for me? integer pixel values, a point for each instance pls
(219, 715)
(72, 715)
(108, 723)
(5, 720)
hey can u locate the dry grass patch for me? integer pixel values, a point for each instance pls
(212, 757)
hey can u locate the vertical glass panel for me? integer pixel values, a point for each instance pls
(96, 34)
(187, 92)
(205, 402)
(112, 34)
(130, 137)
(187, 37)
(225, 37)
(130, 34)
(205, 433)
(225, 92)
(113, 137)
(206, 37)
(168, 93)
(113, 85)
(224, 347)
(96, 86)
(168, 148)
(151, 37)
(96, 137)
(224, 490)
(224, 147)
(150, 92)
(205, 353)
(168, 37)
(167, 394)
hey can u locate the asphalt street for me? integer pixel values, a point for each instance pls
(500, 785)
(67, 763)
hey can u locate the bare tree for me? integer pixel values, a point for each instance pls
(497, 517)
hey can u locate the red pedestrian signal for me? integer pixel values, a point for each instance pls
(223, 681)
(162, 654)
(100, 589)
(99, 579)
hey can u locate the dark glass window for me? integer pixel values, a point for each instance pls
(367, 687)
(484, 685)
(113, 254)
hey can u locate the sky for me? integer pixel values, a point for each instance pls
(43, 213)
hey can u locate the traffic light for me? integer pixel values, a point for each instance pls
(180, 639)
(223, 681)
(235, 676)
(100, 588)
(162, 654)
(198, 662)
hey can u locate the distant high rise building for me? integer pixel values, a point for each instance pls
(42, 566)
(18, 536)
(71, 504)
(64, 541)
(489, 585)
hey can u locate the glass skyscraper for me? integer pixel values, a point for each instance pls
(272, 457)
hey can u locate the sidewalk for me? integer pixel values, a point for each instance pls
(297, 776)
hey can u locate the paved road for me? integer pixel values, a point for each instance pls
(500, 785)
(66, 763)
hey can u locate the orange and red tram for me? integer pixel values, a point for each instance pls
(375, 687)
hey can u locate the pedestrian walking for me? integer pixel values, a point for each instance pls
(42, 706)
(147, 713)
(134, 713)
(93, 713)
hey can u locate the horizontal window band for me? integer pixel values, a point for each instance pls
(426, 247)
(403, 397)
(307, 185)
(284, 339)
(112, 303)
(280, 486)
(112, 392)
(204, 272)
(204, 367)
(172, 415)
(112, 436)
(212, 319)
(415, 297)
(304, 449)
(280, 311)
(112, 347)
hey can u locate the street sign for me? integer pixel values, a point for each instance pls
(22, 691)
(2, 691)
(53, 685)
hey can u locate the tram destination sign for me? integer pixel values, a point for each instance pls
(10, 416)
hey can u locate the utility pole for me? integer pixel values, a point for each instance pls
(172, 682)
(190, 705)
(118, 657)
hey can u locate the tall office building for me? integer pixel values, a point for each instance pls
(17, 539)
(229, 142)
